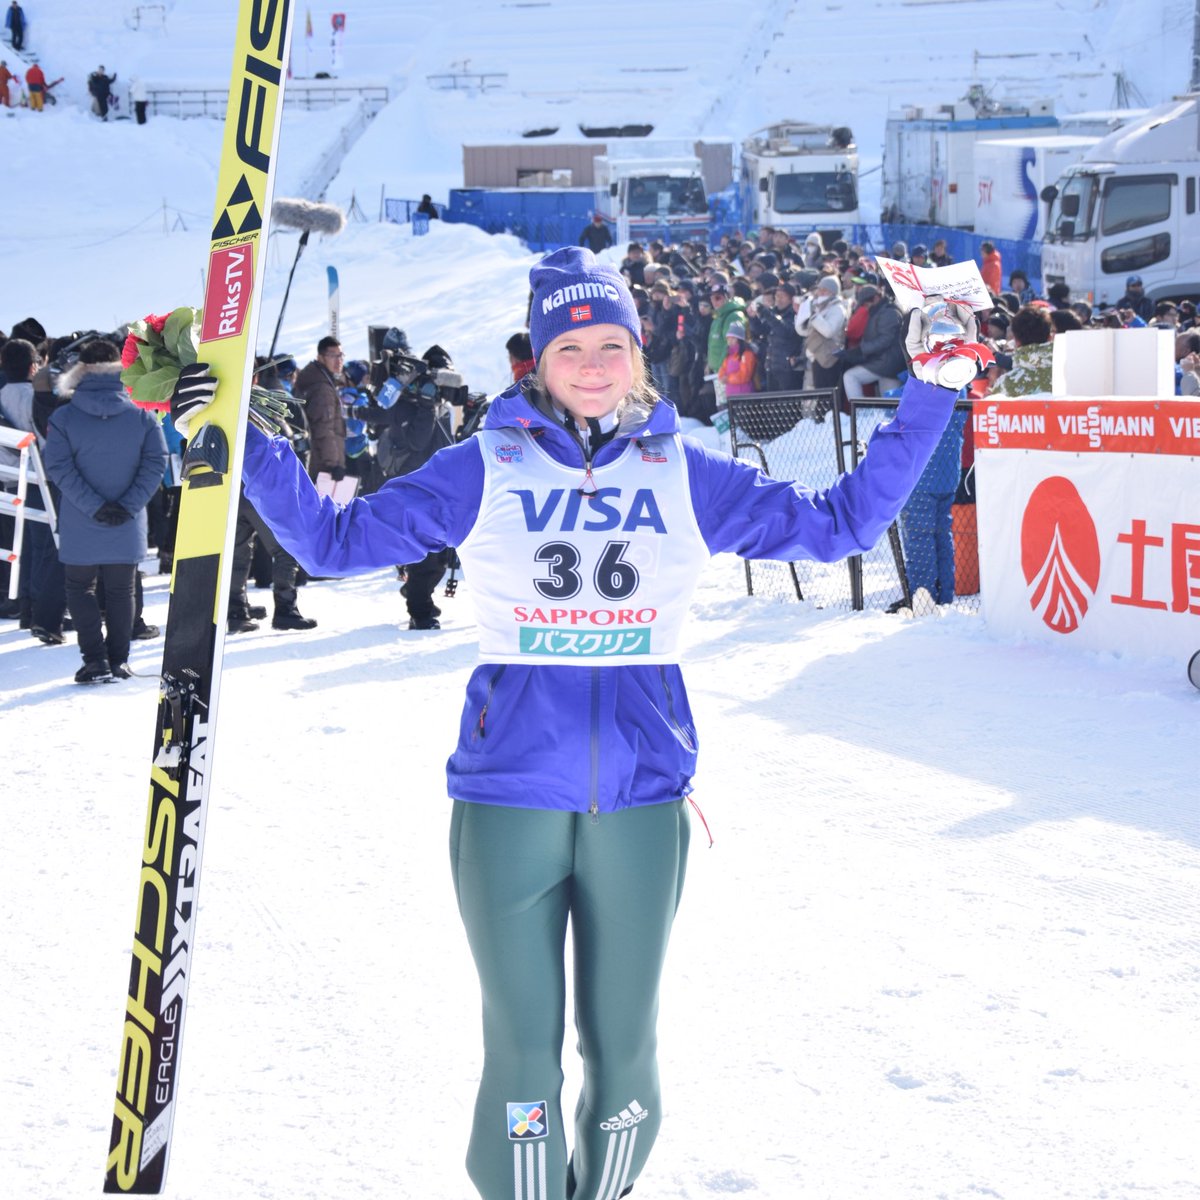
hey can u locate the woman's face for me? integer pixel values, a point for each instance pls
(589, 370)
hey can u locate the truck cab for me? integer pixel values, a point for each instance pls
(643, 198)
(800, 177)
(1130, 207)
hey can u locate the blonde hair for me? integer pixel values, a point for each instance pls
(641, 388)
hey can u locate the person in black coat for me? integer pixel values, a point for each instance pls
(773, 325)
(15, 20)
(100, 88)
(879, 357)
(107, 457)
(1136, 300)
(251, 531)
(596, 235)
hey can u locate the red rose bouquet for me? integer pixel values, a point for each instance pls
(156, 349)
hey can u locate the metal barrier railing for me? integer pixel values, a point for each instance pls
(804, 436)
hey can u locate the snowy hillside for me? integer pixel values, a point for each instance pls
(112, 221)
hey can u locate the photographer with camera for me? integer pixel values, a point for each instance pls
(411, 418)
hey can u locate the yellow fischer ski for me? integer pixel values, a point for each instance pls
(169, 871)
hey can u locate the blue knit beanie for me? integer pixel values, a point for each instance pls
(571, 287)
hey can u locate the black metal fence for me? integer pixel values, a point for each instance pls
(929, 557)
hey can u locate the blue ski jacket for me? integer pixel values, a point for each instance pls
(102, 447)
(578, 738)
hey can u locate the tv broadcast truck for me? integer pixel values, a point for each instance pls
(1010, 177)
(800, 177)
(929, 155)
(1130, 206)
(644, 191)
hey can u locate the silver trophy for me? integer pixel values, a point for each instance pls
(946, 320)
(942, 321)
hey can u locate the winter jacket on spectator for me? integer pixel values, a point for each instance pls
(822, 321)
(775, 330)
(16, 412)
(596, 236)
(101, 447)
(737, 371)
(732, 310)
(321, 393)
(1140, 304)
(992, 272)
(665, 318)
(881, 350)
(1029, 374)
(856, 325)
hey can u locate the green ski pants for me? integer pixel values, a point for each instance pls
(519, 875)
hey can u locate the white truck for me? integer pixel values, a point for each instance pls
(642, 194)
(929, 155)
(800, 177)
(1011, 175)
(1130, 207)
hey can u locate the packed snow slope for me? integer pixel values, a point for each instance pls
(944, 945)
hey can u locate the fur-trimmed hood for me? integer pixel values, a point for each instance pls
(68, 381)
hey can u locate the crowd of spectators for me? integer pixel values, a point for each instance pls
(776, 313)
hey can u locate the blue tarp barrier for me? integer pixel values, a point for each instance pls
(542, 219)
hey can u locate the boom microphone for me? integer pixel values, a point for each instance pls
(308, 215)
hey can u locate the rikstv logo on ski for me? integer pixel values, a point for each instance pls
(1151, 567)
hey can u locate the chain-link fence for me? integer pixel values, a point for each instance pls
(932, 547)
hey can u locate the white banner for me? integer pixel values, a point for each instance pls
(915, 286)
(1088, 545)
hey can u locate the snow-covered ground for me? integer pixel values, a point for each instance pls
(945, 944)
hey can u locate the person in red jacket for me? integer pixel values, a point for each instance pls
(990, 269)
(35, 80)
(5, 76)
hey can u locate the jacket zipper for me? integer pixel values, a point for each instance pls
(594, 806)
(480, 728)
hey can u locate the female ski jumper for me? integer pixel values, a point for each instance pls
(576, 746)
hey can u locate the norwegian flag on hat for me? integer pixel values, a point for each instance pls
(581, 312)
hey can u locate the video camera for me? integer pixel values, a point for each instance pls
(64, 351)
(395, 371)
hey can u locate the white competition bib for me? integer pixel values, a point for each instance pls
(560, 577)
